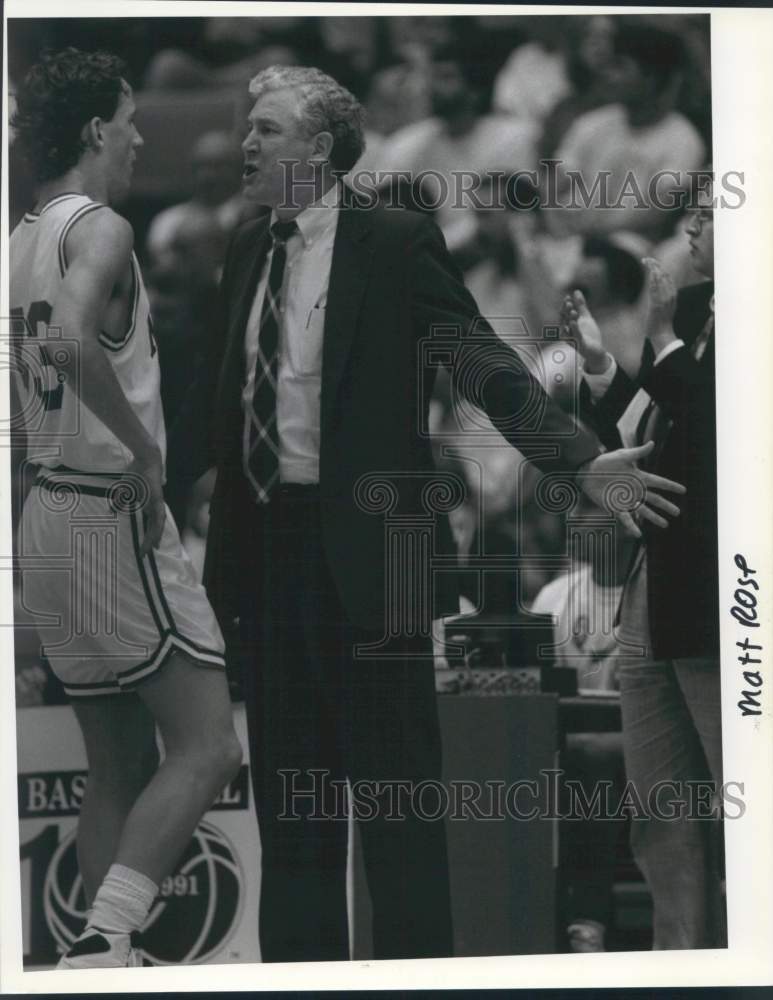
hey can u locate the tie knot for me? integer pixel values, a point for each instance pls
(282, 231)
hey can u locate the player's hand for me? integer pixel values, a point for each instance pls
(596, 477)
(661, 304)
(577, 321)
(151, 474)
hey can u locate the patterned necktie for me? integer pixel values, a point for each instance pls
(261, 458)
(702, 340)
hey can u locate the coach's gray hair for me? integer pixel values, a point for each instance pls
(325, 106)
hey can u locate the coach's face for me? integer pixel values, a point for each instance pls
(279, 154)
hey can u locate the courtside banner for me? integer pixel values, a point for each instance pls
(206, 911)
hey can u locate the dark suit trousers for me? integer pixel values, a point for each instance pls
(316, 717)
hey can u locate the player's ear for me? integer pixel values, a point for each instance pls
(91, 133)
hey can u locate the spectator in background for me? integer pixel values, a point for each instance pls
(194, 531)
(186, 247)
(588, 47)
(351, 49)
(584, 603)
(637, 137)
(229, 48)
(400, 90)
(517, 288)
(216, 171)
(535, 76)
(611, 276)
(499, 275)
(426, 33)
(182, 289)
(460, 136)
(398, 95)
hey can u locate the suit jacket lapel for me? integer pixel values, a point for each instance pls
(241, 294)
(647, 360)
(349, 271)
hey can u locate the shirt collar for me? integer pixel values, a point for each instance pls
(318, 217)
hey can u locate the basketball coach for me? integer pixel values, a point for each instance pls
(312, 383)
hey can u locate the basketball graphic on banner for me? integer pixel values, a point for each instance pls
(64, 902)
(195, 913)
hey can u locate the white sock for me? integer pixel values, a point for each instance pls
(123, 901)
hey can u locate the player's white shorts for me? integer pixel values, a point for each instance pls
(107, 618)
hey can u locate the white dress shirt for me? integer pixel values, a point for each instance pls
(303, 310)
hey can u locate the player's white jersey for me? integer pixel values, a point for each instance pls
(61, 431)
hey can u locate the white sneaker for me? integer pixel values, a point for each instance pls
(586, 936)
(97, 949)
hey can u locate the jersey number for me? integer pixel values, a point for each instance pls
(27, 326)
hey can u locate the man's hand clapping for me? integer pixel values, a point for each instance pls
(577, 321)
(661, 305)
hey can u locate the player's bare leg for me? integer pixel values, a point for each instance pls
(192, 709)
(120, 737)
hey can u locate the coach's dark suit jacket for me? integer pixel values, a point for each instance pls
(391, 280)
(682, 560)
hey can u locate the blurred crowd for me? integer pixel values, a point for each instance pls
(494, 95)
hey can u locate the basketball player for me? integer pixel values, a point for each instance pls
(136, 643)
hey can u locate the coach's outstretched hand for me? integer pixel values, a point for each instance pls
(610, 481)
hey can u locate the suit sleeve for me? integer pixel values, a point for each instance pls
(603, 414)
(593, 414)
(485, 370)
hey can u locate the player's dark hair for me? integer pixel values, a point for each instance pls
(59, 95)
(659, 52)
